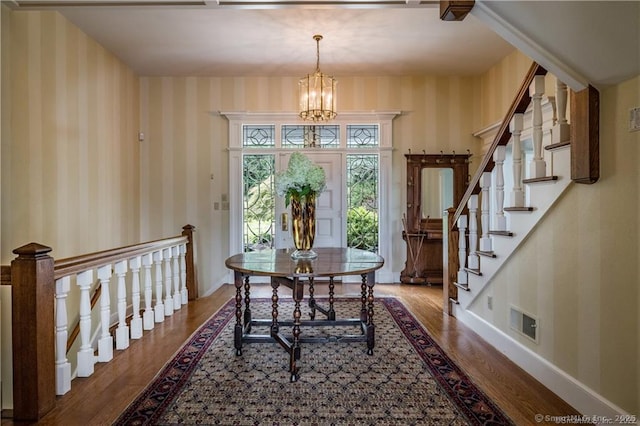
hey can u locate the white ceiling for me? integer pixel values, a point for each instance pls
(594, 42)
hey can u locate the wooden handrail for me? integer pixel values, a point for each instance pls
(518, 106)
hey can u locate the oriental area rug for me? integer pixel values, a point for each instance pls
(408, 380)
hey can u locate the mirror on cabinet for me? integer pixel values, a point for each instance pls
(435, 182)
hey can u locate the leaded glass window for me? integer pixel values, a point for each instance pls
(258, 136)
(258, 201)
(362, 136)
(304, 136)
(362, 201)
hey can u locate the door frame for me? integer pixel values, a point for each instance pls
(382, 118)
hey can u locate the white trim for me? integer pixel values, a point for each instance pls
(483, 11)
(577, 394)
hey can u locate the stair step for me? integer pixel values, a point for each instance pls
(464, 287)
(519, 209)
(540, 179)
(554, 146)
(454, 301)
(501, 233)
(486, 253)
(474, 271)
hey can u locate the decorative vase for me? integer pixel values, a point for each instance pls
(303, 226)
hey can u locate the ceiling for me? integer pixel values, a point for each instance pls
(583, 42)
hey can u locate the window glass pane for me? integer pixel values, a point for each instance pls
(362, 201)
(297, 136)
(362, 136)
(258, 201)
(258, 136)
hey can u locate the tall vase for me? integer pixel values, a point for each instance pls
(303, 226)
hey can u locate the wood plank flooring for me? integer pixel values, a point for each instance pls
(100, 399)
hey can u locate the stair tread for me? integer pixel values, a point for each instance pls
(474, 271)
(486, 253)
(540, 179)
(502, 233)
(464, 287)
(519, 209)
(553, 146)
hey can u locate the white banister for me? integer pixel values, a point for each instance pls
(159, 308)
(177, 297)
(538, 167)
(105, 343)
(136, 321)
(517, 194)
(462, 249)
(168, 301)
(147, 317)
(122, 331)
(473, 260)
(560, 132)
(63, 367)
(86, 358)
(498, 158)
(485, 184)
(183, 274)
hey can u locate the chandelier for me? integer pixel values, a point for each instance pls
(317, 93)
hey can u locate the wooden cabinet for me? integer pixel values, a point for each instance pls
(435, 182)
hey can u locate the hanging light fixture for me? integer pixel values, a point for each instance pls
(317, 93)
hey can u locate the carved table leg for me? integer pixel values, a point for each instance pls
(312, 301)
(237, 332)
(363, 298)
(332, 313)
(274, 308)
(371, 328)
(298, 291)
(247, 305)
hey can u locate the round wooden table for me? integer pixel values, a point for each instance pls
(296, 275)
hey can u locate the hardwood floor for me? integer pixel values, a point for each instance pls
(100, 399)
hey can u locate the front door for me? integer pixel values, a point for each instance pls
(329, 207)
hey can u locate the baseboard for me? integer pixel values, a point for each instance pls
(575, 393)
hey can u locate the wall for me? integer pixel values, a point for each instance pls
(70, 154)
(578, 273)
(184, 158)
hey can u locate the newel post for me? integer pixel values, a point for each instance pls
(191, 262)
(32, 301)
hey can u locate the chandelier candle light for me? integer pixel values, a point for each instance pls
(300, 185)
(317, 92)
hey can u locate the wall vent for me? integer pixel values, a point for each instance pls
(523, 323)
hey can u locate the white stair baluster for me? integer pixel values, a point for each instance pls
(561, 131)
(63, 367)
(462, 249)
(86, 358)
(105, 343)
(485, 184)
(122, 331)
(473, 260)
(136, 321)
(517, 194)
(177, 297)
(538, 167)
(168, 300)
(147, 317)
(498, 158)
(183, 274)
(159, 308)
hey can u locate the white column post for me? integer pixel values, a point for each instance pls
(105, 343)
(183, 274)
(159, 308)
(147, 317)
(122, 331)
(177, 297)
(168, 300)
(136, 321)
(498, 158)
(462, 249)
(560, 131)
(473, 260)
(538, 167)
(63, 367)
(86, 358)
(517, 194)
(485, 223)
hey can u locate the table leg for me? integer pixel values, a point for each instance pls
(298, 293)
(274, 308)
(238, 331)
(363, 298)
(332, 313)
(312, 301)
(371, 328)
(247, 305)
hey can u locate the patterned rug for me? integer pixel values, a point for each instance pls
(407, 381)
